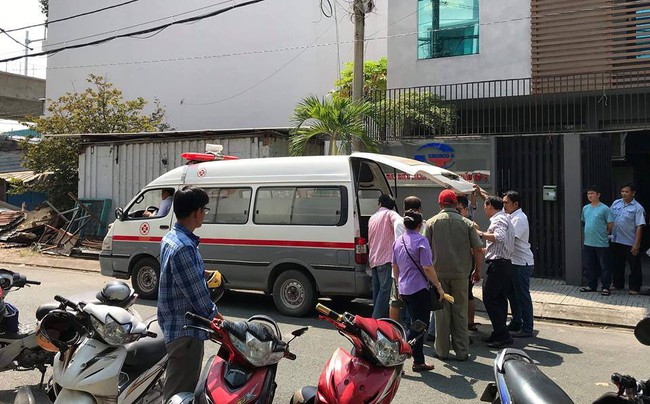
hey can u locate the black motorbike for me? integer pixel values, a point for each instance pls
(519, 380)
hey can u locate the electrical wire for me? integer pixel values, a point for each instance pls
(135, 25)
(322, 8)
(144, 31)
(14, 39)
(73, 16)
(267, 77)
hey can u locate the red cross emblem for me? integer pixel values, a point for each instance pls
(201, 172)
(144, 228)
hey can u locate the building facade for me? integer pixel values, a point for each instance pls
(560, 88)
(245, 68)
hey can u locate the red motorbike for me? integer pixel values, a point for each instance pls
(372, 371)
(244, 369)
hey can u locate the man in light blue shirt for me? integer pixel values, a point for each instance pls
(167, 195)
(598, 222)
(629, 219)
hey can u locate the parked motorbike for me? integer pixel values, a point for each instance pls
(519, 380)
(372, 371)
(244, 369)
(106, 354)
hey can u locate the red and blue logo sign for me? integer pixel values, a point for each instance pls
(438, 154)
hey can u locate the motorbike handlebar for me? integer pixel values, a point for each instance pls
(327, 312)
(32, 282)
(201, 320)
(66, 302)
(624, 381)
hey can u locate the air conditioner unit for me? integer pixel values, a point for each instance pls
(618, 146)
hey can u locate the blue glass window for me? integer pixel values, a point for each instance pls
(447, 28)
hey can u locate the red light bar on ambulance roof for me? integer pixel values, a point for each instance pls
(206, 157)
(212, 153)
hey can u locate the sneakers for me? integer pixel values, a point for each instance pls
(521, 334)
(488, 339)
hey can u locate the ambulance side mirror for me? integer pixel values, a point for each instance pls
(119, 214)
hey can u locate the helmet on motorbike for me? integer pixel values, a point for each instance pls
(58, 331)
(114, 293)
(216, 286)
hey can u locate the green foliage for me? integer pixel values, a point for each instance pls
(374, 78)
(45, 6)
(340, 119)
(413, 114)
(98, 109)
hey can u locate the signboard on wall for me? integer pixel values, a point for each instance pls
(469, 158)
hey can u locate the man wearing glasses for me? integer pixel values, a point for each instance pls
(183, 288)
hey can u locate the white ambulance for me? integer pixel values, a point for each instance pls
(294, 227)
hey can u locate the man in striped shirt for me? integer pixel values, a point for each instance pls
(381, 235)
(500, 244)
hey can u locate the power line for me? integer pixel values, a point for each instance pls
(72, 16)
(144, 31)
(267, 77)
(14, 39)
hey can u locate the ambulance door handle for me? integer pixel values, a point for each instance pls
(164, 227)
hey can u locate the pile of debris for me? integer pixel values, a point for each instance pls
(79, 230)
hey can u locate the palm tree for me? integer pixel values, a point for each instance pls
(339, 118)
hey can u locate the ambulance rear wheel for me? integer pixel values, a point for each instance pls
(146, 277)
(294, 294)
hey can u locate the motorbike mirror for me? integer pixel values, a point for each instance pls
(642, 331)
(418, 326)
(299, 331)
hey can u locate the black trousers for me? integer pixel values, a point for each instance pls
(495, 288)
(620, 254)
(419, 305)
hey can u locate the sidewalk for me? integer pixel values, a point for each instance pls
(552, 299)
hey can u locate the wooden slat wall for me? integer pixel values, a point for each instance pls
(590, 36)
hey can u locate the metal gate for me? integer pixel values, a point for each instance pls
(596, 152)
(526, 164)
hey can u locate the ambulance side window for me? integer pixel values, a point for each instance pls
(228, 205)
(149, 201)
(314, 206)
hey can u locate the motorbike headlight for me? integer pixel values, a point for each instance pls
(384, 350)
(256, 352)
(112, 332)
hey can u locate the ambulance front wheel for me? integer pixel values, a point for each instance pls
(146, 277)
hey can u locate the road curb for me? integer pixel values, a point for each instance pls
(48, 266)
(614, 317)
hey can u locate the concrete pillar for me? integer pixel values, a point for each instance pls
(572, 197)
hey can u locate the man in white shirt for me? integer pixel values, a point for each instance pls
(523, 265)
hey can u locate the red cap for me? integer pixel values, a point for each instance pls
(447, 197)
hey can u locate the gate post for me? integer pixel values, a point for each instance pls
(572, 197)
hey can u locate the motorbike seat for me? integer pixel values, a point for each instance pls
(527, 384)
(145, 352)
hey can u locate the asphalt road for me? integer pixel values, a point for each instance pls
(579, 358)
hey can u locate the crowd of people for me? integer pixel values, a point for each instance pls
(410, 258)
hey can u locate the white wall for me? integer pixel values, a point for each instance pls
(234, 70)
(504, 47)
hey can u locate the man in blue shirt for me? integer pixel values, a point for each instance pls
(598, 222)
(183, 288)
(629, 219)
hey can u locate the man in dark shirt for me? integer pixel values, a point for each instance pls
(183, 288)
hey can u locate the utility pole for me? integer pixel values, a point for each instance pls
(361, 7)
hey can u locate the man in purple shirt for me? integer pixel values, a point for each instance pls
(413, 269)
